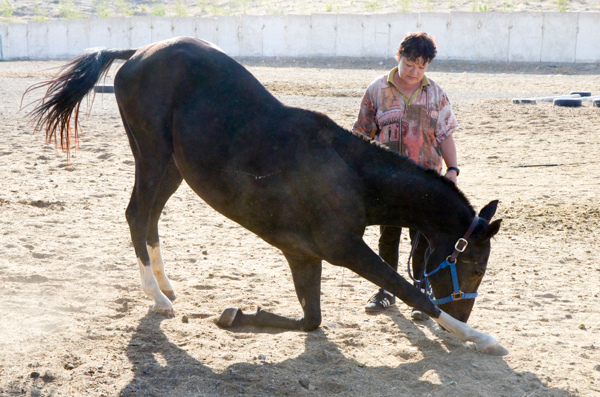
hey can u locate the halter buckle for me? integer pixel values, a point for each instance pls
(457, 296)
(461, 245)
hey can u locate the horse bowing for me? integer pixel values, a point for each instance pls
(291, 176)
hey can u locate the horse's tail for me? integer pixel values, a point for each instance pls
(65, 92)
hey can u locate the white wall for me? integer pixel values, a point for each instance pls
(586, 49)
(469, 36)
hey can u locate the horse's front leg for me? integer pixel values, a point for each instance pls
(306, 272)
(358, 257)
(483, 342)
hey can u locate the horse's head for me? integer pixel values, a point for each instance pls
(470, 266)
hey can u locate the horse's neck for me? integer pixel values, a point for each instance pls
(399, 193)
(414, 198)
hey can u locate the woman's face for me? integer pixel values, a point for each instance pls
(411, 72)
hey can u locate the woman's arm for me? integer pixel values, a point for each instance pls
(449, 154)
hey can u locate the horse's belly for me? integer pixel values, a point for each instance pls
(262, 204)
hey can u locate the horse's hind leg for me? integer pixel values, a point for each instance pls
(168, 185)
(152, 166)
(306, 272)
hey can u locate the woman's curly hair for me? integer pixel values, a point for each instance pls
(417, 45)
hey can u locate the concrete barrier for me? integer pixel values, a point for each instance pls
(526, 37)
(586, 49)
(206, 29)
(462, 36)
(493, 36)
(3, 42)
(437, 23)
(273, 35)
(349, 35)
(17, 41)
(298, 36)
(469, 36)
(119, 33)
(228, 35)
(376, 36)
(77, 37)
(37, 40)
(162, 28)
(99, 35)
(251, 37)
(322, 35)
(184, 27)
(141, 31)
(400, 24)
(559, 37)
(58, 36)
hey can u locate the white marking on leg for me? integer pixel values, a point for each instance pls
(150, 287)
(158, 268)
(483, 342)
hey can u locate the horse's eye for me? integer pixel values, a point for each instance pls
(478, 273)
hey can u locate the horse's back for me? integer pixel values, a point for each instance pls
(253, 159)
(185, 66)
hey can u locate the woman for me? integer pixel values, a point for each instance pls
(410, 114)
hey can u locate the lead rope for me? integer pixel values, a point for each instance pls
(415, 243)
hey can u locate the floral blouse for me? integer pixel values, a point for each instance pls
(414, 127)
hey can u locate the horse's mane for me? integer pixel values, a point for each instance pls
(349, 143)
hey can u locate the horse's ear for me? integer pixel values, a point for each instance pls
(490, 231)
(489, 210)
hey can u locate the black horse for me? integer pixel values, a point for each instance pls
(292, 176)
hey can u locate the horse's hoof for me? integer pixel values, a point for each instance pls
(228, 316)
(494, 350)
(170, 294)
(167, 312)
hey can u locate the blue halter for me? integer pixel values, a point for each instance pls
(450, 261)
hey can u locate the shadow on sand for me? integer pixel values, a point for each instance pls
(161, 368)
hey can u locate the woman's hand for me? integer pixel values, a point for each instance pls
(452, 175)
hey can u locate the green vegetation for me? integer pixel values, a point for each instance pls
(403, 5)
(331, 6)
(124, 8)
(203, 4)
(181, 9)
(562, 5)
(373, 5)
(301, 5)
(215, 9)
(506, 7)
(102, 8)
(6, 9)
(158, 10)
(485, 7)
(40, 14)
(275, 9)
(242, 5)
(66, 9)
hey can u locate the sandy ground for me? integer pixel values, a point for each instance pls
(74, 321)
(23, 10)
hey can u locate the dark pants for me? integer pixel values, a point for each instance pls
(389, 243)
